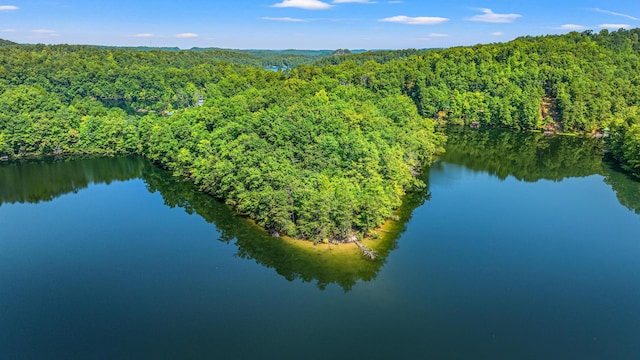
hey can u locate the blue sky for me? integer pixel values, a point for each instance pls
(304, 24)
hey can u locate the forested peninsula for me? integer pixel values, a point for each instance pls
(322, 151)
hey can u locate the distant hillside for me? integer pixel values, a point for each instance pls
(143, 48)
(362, 56)
(252, 57)
(4, 42)
(276, 58)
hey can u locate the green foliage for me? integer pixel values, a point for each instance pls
(624, 140)
(318, 151)
(323, 161)
(579, 83)
(631, 149)
(301, 154)
(586, 79)
(6, 42)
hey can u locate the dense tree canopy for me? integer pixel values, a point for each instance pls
(318, 151)
(308, 157)
(580, 83)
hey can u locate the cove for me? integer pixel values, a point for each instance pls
(522, 246)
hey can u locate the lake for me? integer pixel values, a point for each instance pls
(521, 247)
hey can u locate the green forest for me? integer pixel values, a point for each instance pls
(326, 149)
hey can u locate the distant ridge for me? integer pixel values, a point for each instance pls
(272, 59)
(4, 42)
(142, 48)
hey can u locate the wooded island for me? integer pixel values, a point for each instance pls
(323, 151)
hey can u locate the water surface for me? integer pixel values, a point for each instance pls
(522, 247)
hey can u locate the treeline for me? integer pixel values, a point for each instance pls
(319, 151)
(285, 58)
(361, 57)
(579, 83)
(309, 158)
(151, 80)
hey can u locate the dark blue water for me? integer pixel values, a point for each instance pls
(99, 259)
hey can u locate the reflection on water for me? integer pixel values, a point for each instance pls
(487, 268)
(525, 156)
(532, 157)
(321, 264)
(44, 180)
(626, 187)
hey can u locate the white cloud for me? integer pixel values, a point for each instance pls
(285, 19)
(9, 30)
(497, 33)
(187, 35)
(353, 1)
(304, 4)
(571, 27)
(490, 17)
(614, 26)
(615, 13)
(8, 8)
(420, 20)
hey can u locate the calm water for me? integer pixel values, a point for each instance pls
(522, 247)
